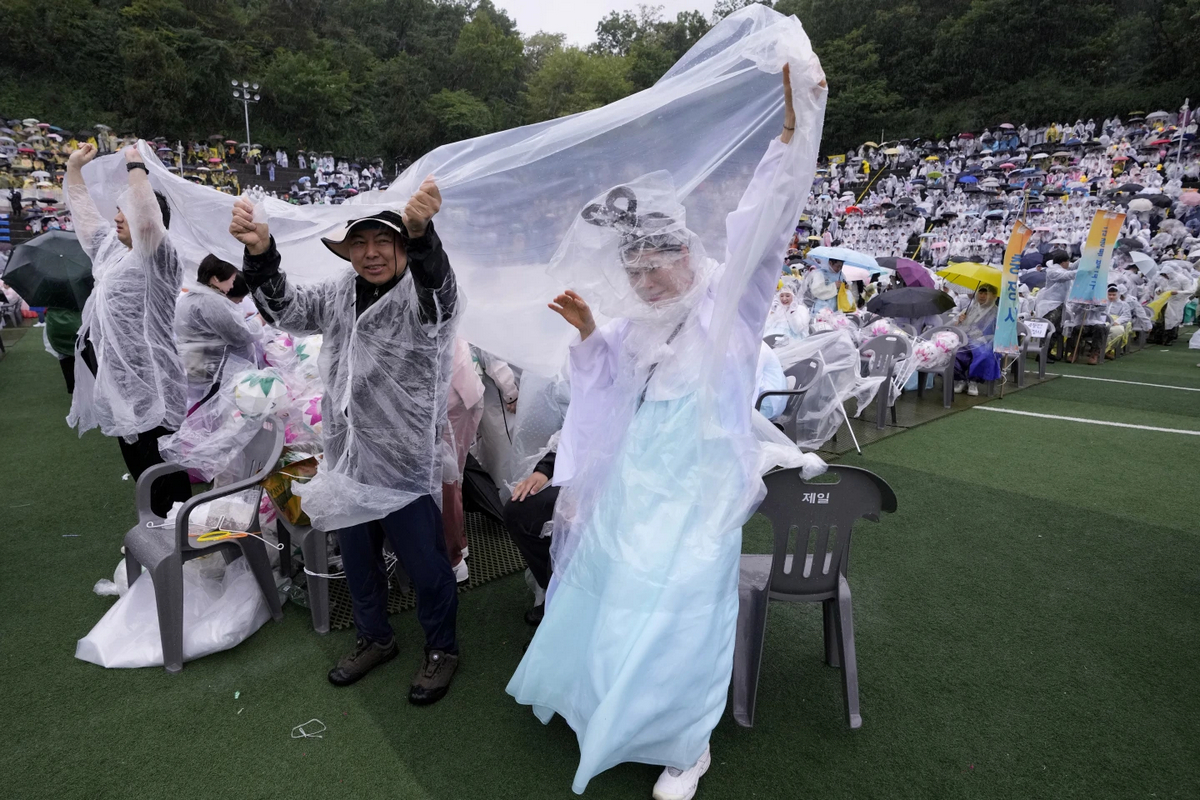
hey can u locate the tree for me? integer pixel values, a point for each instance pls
(858, 92)
(459, 115)
(307, 96)
(572, 80)
(539, 47)
(723, 8)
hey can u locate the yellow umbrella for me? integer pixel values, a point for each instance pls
(870, 144)
(932, 158)
(892, 151)
(971, 275)
(1158, 304)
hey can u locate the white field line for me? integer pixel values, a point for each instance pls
(1130, 383)
(1088, 421)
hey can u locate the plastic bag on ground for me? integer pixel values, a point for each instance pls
(219, 612)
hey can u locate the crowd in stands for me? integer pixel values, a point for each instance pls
(956, 200)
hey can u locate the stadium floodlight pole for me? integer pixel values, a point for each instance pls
(1183, 122)
(247, 93)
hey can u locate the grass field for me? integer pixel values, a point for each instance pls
(1028, 626)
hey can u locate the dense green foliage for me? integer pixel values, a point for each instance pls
(403, 76)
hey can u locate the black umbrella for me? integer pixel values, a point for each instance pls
(1128, 187)
(910, 301)
(51, 270)
(1160, 200)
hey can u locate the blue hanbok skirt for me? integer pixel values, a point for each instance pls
(636, 647)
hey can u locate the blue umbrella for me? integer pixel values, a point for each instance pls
(847, 256)
(968, 179)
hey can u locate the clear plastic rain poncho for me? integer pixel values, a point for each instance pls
(386, 375)
(209, 328)
(139, 384)
(658, 460)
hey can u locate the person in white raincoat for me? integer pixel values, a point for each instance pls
(385, 362)
(129, 379)
(788, 317)
(636, 647)
(210, 327)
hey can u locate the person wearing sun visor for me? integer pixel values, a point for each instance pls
(389, 326)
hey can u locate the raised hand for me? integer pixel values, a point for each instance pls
(574, 310)
(242, 227)
(421, 207)
(789, 113)
(82, 155)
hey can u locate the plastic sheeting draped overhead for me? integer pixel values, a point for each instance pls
(510, 197)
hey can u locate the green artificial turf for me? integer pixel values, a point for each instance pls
(1027, 627)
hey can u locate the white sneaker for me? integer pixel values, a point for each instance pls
(460, 571)
(973, 389)
(676, 784)
(959, 386)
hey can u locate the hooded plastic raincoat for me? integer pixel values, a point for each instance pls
(139, 383)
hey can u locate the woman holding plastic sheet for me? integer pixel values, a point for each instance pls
(657, 461)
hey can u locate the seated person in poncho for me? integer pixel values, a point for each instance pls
(1120, 320)
(976, 361)
(788, 318)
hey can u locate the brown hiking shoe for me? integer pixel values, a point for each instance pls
(433, 678)
(1094, 359)
(366, 657)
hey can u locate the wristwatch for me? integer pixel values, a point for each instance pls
(132, 165)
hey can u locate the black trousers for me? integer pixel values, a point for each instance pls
(524, 521)
(1055, 317)
(142, 454)
(415, 535)
(67, 365)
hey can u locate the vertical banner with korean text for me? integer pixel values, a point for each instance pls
(1005, 341)
(1091, 279)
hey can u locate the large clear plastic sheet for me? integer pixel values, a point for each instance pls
(139, 384)
(510, 197)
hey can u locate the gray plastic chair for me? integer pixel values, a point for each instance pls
(806, 373)
(152, 544)
(879, 357)
(1040, 346)
(823, 515)
(314, 549)
(947, 373)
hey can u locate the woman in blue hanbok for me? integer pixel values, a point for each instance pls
(658, 463)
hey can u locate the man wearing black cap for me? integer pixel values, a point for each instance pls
(388, 328)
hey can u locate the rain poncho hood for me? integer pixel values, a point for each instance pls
(139, 383)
